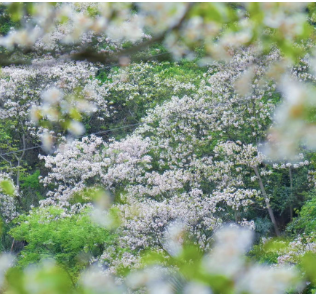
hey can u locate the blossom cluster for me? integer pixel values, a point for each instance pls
(48, 92)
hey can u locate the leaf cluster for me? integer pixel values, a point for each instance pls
(71, 240)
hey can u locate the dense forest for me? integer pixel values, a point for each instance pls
(157, 148)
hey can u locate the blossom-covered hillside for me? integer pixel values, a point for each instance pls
(157, 148)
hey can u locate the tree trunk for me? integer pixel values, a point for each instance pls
(291, 194)
(267, 201)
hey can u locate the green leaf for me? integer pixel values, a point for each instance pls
(7, 187)
(308, 264)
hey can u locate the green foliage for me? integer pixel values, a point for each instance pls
(191, 265)
(7, 187)
(309, 264)
(6, 22)
(306, 220)
(70, 240)
(285, 197)
(31, 181)
(31, 188)
(269, 251)
(47, 277)
(5, 239)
